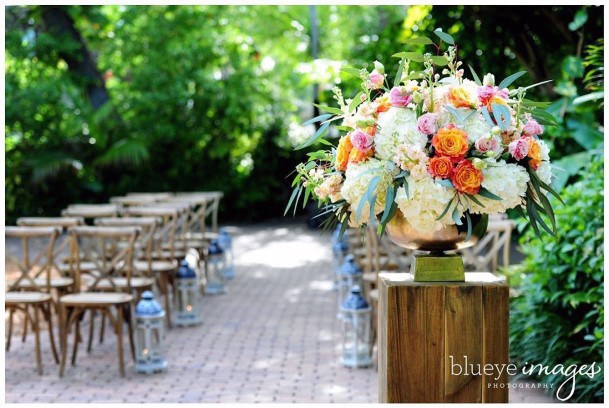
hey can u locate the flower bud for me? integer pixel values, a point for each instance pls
(379, 67)
(478, 163)
(496, 130)
(417, 97)
(488, 80)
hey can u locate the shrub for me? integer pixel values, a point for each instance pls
(557, 318)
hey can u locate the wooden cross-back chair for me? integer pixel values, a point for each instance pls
(61, 282)
(212, 206)
(109, 288)
(91, 211)
(484, 256)
(195, 225)
(158, 196)
(162, 262)
(34, 268)
(127, 201)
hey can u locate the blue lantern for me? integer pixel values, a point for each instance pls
(149, 335)
(226, 243)
(357, 319)
(215, 265)
(349, 275)
(339, 251)
(187, 306)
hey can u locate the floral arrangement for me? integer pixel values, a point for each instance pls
(436, 146)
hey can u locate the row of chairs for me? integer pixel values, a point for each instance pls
(130, 246)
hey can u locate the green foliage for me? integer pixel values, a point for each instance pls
(558, 316)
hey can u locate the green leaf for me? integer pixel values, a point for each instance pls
(475, 200)
(124, 152)
(330, 109)
(418, 40)
(456, 217)
(357, 100)
(487, 194)
(292, 197)
(502, 116)
(297, 198)
(532, 218)
(476, 78)
(509, 80)
(323, 129)
(446, 208)
(573, 66)
(579, 20)
(372, 204)
(487, 116)
(398, 75)
(351, 71)
(319, 118)
(414, 56)
(371, 187)
(447, 38)
(414, 75)
(544, 117)
(439, 60)
(469, 226)
(445, 182)
(306, 197)
(389, 199)
(345, 128)
(538, 218)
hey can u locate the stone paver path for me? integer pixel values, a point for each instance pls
(273, 337)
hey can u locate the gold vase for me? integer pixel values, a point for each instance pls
(436, 266)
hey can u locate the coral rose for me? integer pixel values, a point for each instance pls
(450, 142)
(441, 167)
(467, 178)
(460, 97)
(358, 156)
(342, 153)
(534, 152)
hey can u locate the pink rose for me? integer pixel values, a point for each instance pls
(427, 124)
(486, 93)
(519, 149)
(361, 141)
(532, 128)
(376, 79)
(399, 97)
(485, 144)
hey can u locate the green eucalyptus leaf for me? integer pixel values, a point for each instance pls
(509, 80)
(447, 38)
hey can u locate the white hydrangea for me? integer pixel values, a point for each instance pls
(545, 150)
(508, 181)
(357, 180)
(544, 171)
(425, 202)
(476, 127)
(397, 126)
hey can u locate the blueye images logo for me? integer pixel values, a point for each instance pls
(495, 371)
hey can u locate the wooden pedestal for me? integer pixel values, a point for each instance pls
(422, 324)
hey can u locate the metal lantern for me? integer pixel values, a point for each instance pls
(349, 275)
(215, 265)
(226, 243)
(149, 335)
(339, 251)
(357, 318)
(187, 307)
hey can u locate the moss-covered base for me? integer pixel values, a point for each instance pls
(438, 268)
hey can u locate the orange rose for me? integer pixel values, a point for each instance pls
(441, 167)
(495, 99)
(371, 130)
(450, 142)
(357, 156)
(534, 153)
(466, 178)
(383, 104)
(342, 153)
(460, 97)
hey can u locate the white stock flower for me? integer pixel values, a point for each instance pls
(508, 181)
(425, 201)
(357, 180)
(476, 127)
(544, 171)
(397, 126)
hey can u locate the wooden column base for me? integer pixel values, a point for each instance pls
(437, 339)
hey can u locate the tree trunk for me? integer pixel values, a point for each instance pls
(60, 24)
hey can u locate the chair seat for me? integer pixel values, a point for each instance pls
(12, 298)
(84, 266)
(207, 236)
(59, 282)
(156, 266)
(177, 253)
(96, 298)
(136, 282)
(370, 276)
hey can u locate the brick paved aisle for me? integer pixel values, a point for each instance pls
(273, 337)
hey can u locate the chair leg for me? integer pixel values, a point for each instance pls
(49, 318)
(91, 330)
(131, 343)
(10, 328)
(76, 336)
(165, 290)
(25, 323)
(102, 328)
(119, 337)
(36, 330)
(63, 337)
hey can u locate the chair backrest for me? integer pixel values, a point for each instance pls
(133, 200)
(185, 211)
(484, 256)
(33, 259)
(148, 226)
(156, 196)
(166, 233)
(212, 205)
(102, 246)
(90, 211)
(198, 213)
(63, 223)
